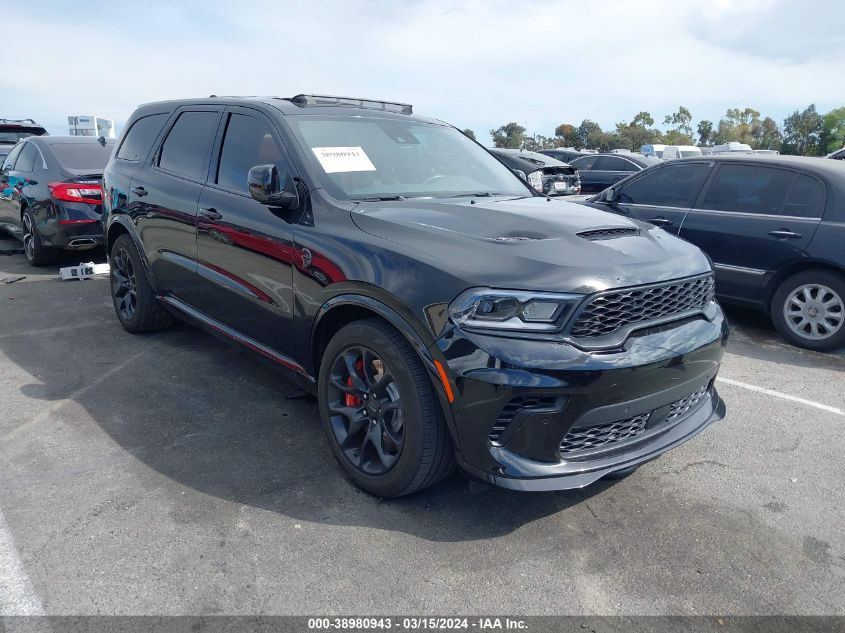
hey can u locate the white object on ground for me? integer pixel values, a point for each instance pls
(83, 271)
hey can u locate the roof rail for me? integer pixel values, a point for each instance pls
(305, 101)
(32, 121)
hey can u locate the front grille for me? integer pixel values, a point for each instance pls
(591, 437)
(607, 312)
(679, 407)
(515, 406)
(604, 234)
(595, 436)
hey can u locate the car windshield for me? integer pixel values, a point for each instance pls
(82, 155)
(368, 157)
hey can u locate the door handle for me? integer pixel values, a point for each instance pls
(211, 214)
(139, 191)
(784, 234)
(661, 221)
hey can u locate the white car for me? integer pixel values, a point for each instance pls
(671, 152)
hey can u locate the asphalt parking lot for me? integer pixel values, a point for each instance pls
(172, 474)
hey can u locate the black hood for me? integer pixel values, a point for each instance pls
(532, 243)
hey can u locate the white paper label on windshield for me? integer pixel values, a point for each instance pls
(340, 159)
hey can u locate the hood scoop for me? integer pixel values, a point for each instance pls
(608, 233)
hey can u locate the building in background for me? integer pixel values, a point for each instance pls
(87, 125)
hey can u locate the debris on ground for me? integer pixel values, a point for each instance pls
(83, 271)
(10, 280)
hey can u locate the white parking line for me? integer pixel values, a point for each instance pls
(783, 396)
(17, 597)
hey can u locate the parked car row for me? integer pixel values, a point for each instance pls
(546, 174)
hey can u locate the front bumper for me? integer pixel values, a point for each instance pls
(518, 400)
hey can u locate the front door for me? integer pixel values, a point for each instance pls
(663, 195)
(245, 248)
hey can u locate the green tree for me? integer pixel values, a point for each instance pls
(802, 132)
(705, 132)
(565, 134)
(766, 134)
(588, 133)
(470, 133)
(510, 135)
(642, 119)
(833, 131)
(637, 133)
(737, 126)
(681, 123)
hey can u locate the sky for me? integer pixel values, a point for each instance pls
(475, 64)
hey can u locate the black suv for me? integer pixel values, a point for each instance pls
(441, 309)
(773, 225)
(13, 130)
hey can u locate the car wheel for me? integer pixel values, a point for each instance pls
(380, 413)
(808, 309)
(134, 301)
(36, 253)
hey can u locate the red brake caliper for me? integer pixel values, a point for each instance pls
(349, 399)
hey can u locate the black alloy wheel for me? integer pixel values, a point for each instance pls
(367, 411)
(124, 284)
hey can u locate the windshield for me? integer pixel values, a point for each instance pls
(82, 155)
(367, 157)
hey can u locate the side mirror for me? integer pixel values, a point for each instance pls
(609, 195)
(263, 184)
(521, 174)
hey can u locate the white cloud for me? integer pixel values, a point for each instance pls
(475, 64)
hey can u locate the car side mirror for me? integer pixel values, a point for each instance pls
(264, 186)
(609, 195)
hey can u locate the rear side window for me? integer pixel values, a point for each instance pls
(749, 189)
(185, 151)
(671, 186)
(585, 162)
(612, 163)
(26, 160)
(82, 155)
(806, 198)
(140, 137)
(248, 142)
(10, 159)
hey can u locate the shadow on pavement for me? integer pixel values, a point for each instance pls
(213, 419)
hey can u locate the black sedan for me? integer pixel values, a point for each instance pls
(565, 154)
(547, 175)
(774, 227)
(51, 194)
(599, 171)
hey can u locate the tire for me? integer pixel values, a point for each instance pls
(36, 253)
(808, 309)
(621, 474)
(395, 441)
(134, 301)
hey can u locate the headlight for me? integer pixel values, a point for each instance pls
(513, 309)
(535, 179)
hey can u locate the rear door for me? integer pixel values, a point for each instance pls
(245, 248)
(663, 195)
(590, 181)
(753, 220)
(163, 198)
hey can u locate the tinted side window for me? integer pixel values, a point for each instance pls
(806, 198)
(26, 160)
(585, 162)
(140, 137)
(612, 163)
(10, 159)
(749, 189)
(248, 142)
(670, 186)
(185, 151)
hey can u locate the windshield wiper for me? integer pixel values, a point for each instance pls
(380, 199)
(478, 194)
